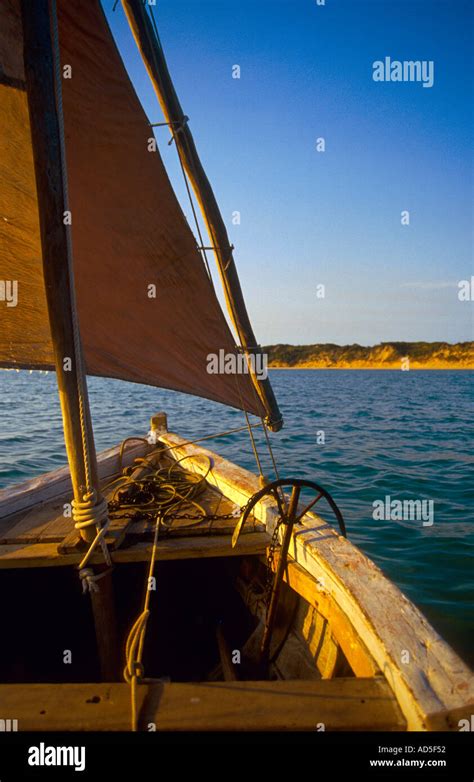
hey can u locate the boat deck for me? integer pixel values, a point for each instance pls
(39, 535)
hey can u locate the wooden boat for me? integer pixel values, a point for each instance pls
(259, 614)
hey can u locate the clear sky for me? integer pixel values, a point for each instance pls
(333, 217)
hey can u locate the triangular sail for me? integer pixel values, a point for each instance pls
(130, 237)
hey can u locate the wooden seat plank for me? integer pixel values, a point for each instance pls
(46, 554)
(338, 704)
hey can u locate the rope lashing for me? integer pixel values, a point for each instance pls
(219, 249)
(133, 665)
(89, 512)
(176, 126)
(89, 578)
(178, 123)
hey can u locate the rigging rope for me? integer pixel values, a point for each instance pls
(188, 189)
(249, 428)
(157, 491)
(134, 670)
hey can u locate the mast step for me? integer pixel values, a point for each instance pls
(115, 536)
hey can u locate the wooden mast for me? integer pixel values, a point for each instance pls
(155, 62)
(46, 138)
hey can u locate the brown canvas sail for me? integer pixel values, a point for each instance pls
(128, 231)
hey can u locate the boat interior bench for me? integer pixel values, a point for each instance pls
(327, 704)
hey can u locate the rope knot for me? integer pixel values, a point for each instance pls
(88, 580)
(88, 512)
(134, 670)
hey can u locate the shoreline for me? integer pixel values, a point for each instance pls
(378, 367)
(383, 356)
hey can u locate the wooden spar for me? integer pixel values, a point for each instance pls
(46, 143)
(45, 123)
(155, 62)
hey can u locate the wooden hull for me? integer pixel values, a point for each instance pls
(350, 651)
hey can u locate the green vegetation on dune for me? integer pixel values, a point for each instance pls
(386, 355)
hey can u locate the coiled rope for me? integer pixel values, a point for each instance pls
(159, 491)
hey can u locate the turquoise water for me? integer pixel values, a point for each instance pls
(403, 434)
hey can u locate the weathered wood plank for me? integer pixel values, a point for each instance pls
(46, 555)
(361, 662)
(316, 631)
(114, 536)
(145, 529)
(340, 704)
(31, 525)
(290, 657)
(57, 529)
(312, 642)
(435, 682)
(233, 481)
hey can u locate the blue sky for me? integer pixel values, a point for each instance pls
(332, 218)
